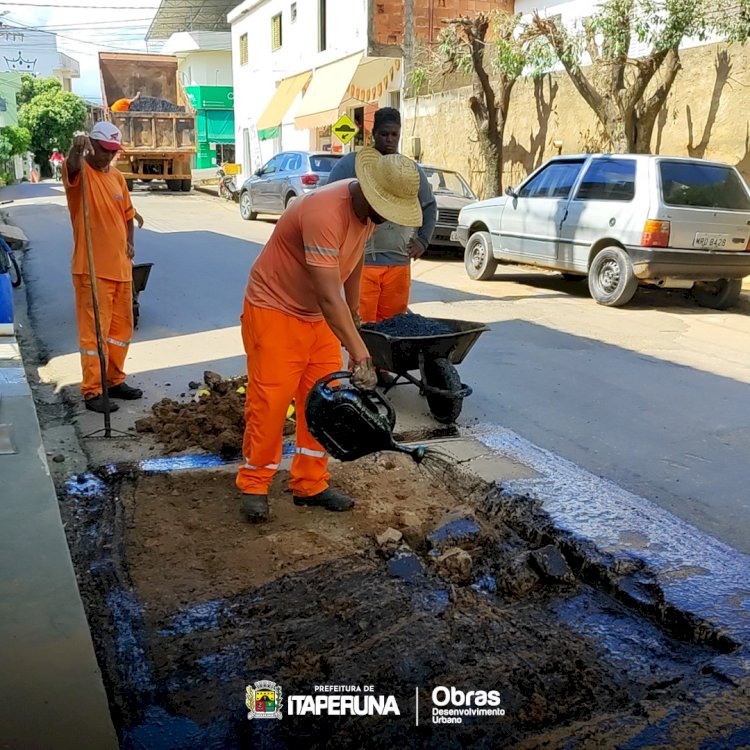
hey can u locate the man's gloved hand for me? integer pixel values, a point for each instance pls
(364, 376)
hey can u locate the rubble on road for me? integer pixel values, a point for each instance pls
(213, 420)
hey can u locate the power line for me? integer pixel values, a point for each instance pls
(69, 38)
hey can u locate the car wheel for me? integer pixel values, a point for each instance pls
(612, 280)
(246, 208)
(720, 295)
(479, 262)
(289, 200)
(129, 183)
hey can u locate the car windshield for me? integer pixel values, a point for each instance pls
(322, 162)
(448, 182)
(703, 186)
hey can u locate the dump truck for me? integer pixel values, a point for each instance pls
(156, 145)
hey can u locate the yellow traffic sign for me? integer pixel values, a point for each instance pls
(345, 129)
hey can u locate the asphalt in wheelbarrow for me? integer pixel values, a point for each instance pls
(409, 325)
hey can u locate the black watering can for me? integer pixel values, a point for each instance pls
(349, 423)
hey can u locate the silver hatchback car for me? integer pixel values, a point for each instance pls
(286, 177)
(621, 221)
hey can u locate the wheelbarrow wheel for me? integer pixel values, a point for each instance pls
(440, 373)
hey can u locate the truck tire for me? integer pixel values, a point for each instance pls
(479, 262)
(129, 183)
(719, 295)
(612, 280)
(174, 185)
(187, 186)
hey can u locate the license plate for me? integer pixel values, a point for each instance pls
(454, 236)
(709, 241)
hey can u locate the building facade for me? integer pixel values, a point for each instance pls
(35, 52)
(205, 69)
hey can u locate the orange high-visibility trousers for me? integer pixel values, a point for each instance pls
(384, 292)
(286, 356)
(116, 318)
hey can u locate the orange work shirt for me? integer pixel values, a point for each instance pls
(121, 105)
(320, 229)
(110, 210)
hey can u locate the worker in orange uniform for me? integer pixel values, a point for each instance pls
(295, 320)
(111, 224)
(386, 278)
(123, 105)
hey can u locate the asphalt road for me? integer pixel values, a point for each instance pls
(654, 397)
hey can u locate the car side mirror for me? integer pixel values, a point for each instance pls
(259, 172)
(511, 192)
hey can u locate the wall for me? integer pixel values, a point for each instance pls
(205, 68)
(35, 52)
(427, 17)
(713, 124)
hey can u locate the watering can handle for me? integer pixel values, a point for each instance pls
(374, 395)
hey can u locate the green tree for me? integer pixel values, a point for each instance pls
(32, 86)
(51, 118)
(490, 47)
(625, 91)
(14, 141)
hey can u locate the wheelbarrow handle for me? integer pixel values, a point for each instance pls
(372, 395)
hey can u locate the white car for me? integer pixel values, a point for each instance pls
(620, 220)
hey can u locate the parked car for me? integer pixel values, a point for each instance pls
(286, 177)
(621, 221)
(452, 193)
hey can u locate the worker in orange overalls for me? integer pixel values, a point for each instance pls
(123, 105)
(295, 320)
(111, 224)
(386, 278)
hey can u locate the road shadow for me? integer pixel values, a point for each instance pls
(29, 190)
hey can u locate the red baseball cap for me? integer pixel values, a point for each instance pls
(108, 135)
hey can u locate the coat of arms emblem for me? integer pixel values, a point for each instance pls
(263, 698)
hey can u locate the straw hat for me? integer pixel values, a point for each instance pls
(390, 184)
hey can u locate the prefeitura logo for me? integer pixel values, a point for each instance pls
(263, 698)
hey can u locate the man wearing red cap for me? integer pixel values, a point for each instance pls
(110, 214)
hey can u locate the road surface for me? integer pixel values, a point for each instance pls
(654, 397)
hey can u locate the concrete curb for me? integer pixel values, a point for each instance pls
(52, 692)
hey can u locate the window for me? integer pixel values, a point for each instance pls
(686, 183)
(274, 165)
(608, 180)
(325, 163)
(292, 163)
(276, 32)
(322, 20)
(243, 49)
(554, 181)
(293, 12)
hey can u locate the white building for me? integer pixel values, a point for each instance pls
(297, 67)
(35, 52)
(205, 57)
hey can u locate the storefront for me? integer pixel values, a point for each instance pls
(214, 107)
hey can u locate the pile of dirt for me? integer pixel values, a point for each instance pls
(214, 419)
(409, 324)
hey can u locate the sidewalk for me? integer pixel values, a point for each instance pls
(52, 695)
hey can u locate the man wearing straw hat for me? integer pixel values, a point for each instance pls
(110, 218)
(295, 320)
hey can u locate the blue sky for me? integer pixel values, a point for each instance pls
(107, 25)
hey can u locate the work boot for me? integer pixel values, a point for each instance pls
(96, 403)
(328, 499)
(255, 508)
(125, 392)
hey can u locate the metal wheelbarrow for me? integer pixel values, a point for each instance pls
(141, 272)
(434, 357)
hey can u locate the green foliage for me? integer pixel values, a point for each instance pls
(14, 141)
(32, 86)
(51, 118)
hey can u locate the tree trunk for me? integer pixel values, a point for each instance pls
(492, 153)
